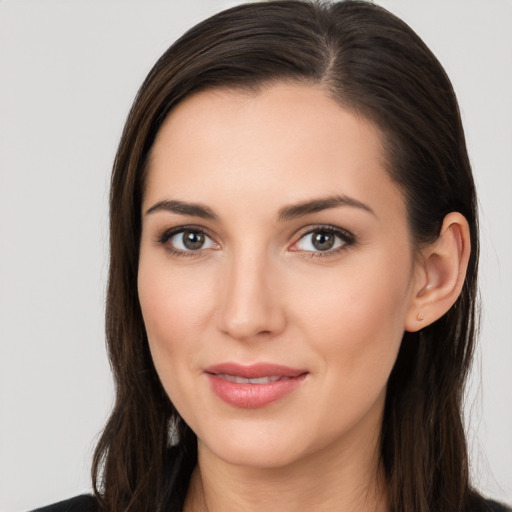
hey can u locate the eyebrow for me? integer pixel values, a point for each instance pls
(287, 213)
(193, 209)
(318, 205)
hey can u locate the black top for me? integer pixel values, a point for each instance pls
(84, 503)
(178, 479)
(87, 503)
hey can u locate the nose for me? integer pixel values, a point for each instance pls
(250, 305)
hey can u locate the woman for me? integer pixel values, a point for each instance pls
(291, 306)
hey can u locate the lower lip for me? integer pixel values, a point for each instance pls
(253, 396)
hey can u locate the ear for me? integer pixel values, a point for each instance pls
(440, 273)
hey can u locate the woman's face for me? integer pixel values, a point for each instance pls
(276, 272)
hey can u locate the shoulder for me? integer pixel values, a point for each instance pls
(494, 506)
(84, 503)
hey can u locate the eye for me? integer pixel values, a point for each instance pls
(324, 239)
(187, 241)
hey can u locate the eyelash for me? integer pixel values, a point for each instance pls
(347, 239)
(167, 235)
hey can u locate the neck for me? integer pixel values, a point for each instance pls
(322, 482)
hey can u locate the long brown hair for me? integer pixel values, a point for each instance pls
(372, 63)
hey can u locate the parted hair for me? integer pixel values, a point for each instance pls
(373, 64)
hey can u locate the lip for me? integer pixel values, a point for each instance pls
(229, 382)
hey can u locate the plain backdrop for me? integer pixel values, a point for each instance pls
(69, 70)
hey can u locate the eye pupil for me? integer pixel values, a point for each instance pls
(193, 240)
(323, 241)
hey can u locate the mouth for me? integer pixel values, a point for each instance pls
(243, 380)
(255, 386)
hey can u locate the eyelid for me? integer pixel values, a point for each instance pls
(348, 239)
(164, 237)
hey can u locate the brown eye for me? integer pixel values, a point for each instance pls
(193, 240)
(322, 241)
(188, 241)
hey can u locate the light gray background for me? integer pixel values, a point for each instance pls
(69, 70)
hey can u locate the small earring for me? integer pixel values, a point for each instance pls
(420, 317)
(173, 436)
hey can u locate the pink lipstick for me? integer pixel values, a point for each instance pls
(250, 387)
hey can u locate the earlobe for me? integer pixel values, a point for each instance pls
(441, 275)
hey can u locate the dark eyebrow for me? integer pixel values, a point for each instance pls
(317, 205)
(193, 209)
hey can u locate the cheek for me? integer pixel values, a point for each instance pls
(354, 324)
(355, 315)
(171, 294)
(176, 309)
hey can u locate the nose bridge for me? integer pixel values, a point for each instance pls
(249, 305)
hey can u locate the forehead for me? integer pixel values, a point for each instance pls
(286, 140)
(292, 110)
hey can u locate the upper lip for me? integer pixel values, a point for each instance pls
(254, 371)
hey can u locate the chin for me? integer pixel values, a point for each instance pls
(267, 445)
(258, 446)
(255, 456)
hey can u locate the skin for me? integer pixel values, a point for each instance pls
(259, 291)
